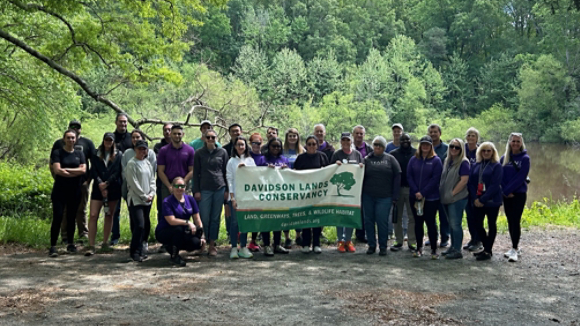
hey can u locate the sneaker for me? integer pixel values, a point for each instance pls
(434, 255)
(105, 249)
(382, 251)
(281, 250)
(418, 253)
(479, 253)
(448, 251)
(253, 247)
(234, 253)
(514, 257)
(305, 250)
(317, 250)
(371, 250)
(177, 260)
(52, 252)
(245, 253)
(412, 247)
(137, 258)
(483, 256)
(288, 244)
(406, 238)
(162, 250)
(90, 251)
(454, 255)
(475, 247)
(145, 248)
(212, 251)
(71, 248)
(467, 245)
(350, 247)
(268, 251)
(341, 247)
(114, 242)
(396, 246)
(444, 244)
(298, 241)
(510, 253)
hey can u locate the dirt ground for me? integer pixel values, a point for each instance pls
(297, 289)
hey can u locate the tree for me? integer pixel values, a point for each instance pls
(344, 180)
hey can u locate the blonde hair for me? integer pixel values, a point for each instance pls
(508, 150)
(472, 130)
(419, 154)
(299, 148)
(487, 145)
(461, 155)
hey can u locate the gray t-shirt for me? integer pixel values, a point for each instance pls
(380, 173)
(354, 157)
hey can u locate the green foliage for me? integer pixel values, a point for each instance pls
(25, 190)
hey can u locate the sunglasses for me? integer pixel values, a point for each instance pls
(311, 144)
(210, 137)
(179, 186)
(276, 146)
(377, 145)
(455, 147)
(487, 150)
(256, 143)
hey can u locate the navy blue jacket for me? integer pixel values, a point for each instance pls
(492, 174)
(514, 181)
(424, 176)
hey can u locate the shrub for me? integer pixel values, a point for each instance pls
(25, 190)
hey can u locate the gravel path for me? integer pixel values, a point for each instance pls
(327, 289)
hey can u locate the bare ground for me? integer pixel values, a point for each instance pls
(327, 289)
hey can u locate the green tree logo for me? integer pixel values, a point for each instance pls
(344, 180)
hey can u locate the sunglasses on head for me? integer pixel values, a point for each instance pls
(179, 186)
(455, 147)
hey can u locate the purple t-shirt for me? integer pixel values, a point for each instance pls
(362, 150)
(258, 159)
(183, 211)
(176, 160)
(323, 146)
(276, 161)
(463, 168)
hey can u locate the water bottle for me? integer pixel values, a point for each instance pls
(420, 208)
(106, 205)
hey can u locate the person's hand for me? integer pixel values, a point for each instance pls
(234, 203)
(105, 193)
(510, 195)
(86, 183)
(149, 198)
(241, 164)
(418, 196)
(170, 189)
(338, 163)
(284, 166)
(192, 227)
(102, 186)
(226, 196)
(197, 196)
(271, 166)
(477, 203)
(361, 165)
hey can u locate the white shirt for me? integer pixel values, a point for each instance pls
(232, 167)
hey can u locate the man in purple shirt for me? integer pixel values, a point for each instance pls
(174, 160)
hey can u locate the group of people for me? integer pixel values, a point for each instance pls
(404, 189)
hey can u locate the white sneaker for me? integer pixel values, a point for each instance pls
(245, 253)
(510, 253)
(234, 253)
(268, 251)
(305, 250)
(145, 247)
(317, 250)
(514, 257)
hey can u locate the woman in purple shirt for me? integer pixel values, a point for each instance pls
(274, 159)
(471, 145)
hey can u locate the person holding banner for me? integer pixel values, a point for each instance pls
(381, 188)
(346, 155)
(240, 157)
(292, 148)
(423, 174)
(274, 158)
(256, 154)
(312, 159)
(210, 187)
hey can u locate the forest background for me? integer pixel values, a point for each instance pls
(497, 65)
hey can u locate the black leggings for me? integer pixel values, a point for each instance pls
(277, 238)
(308, 234)
(487, 238)
(175, 237)
(71, 202)
(140, 222)
(429, 214)
(514, 208)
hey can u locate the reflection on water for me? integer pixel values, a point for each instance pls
(555, 171)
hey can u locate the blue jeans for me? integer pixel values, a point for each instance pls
(116, 232)
(343, 234)
(234, 230)
(376, 211)
(455, 216)
(210, 211)
(443, 224)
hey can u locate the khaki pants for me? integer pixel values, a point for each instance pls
(81, 217)
(401, 204)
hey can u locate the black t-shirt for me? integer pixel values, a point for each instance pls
(123, 141)
(306, 161)
(67, 160)
(82, 144)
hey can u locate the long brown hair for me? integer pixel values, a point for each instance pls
(112, 151)
(299, 147)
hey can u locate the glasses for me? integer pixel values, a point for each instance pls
(210, 137)
(455, 147)
(276, 146)
(256, 143)
(377, 145)
(487, 150)
(179, 186)
(311, 144)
